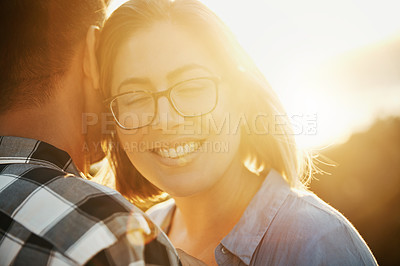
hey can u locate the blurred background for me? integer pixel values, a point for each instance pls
(336, 67)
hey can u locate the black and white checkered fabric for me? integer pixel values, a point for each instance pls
(51, 216)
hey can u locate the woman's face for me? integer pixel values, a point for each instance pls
(181, 155)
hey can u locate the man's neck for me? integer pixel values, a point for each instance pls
(46, 124)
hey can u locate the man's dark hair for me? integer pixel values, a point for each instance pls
(37, 41)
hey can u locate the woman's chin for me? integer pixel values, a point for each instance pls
(184, 184)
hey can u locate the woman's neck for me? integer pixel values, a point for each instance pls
(203, 220)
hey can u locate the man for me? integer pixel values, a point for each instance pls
(49, 215)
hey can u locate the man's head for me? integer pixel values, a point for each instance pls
(38, 40)
(48, 71)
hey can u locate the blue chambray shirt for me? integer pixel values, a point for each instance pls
(284, 226)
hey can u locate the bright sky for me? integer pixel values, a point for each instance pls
(289, 38)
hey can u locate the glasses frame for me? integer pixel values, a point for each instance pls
(165, 93)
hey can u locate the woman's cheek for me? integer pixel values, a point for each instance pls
(131, 140)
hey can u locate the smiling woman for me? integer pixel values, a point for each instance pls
(162, 64)
(177, 81)
(192, 78)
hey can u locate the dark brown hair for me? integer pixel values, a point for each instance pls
(38, 38)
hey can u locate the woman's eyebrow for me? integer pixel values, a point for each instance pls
(170, 75)
(173, 74)
(133, 81)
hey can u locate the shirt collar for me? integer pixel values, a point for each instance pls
(244, 238)
(31, 151)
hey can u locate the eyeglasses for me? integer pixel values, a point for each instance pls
(189, 98)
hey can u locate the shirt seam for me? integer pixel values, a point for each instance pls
(27, 160)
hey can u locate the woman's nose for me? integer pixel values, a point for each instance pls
(166, 118)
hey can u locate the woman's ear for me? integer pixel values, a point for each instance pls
(90, 66)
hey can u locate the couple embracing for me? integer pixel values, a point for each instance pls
(176, 83)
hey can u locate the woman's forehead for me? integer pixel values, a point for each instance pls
(159, 51)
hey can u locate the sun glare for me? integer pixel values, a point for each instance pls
(293, 43)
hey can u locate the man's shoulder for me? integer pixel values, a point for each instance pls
(26, 182)
(66, 213)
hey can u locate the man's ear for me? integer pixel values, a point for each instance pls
(90, 66)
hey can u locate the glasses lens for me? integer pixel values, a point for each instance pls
(195, 97)
(133, 110)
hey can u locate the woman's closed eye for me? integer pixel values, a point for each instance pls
(195, 88)
(191, 91)
(136, 99)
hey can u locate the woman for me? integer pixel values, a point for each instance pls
(196, 119)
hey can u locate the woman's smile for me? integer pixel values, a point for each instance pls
(177, 153)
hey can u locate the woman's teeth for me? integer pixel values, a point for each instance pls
(178, 151)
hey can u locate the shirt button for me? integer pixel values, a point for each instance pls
(223, 250)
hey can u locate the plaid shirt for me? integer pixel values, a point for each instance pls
(51, 216)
